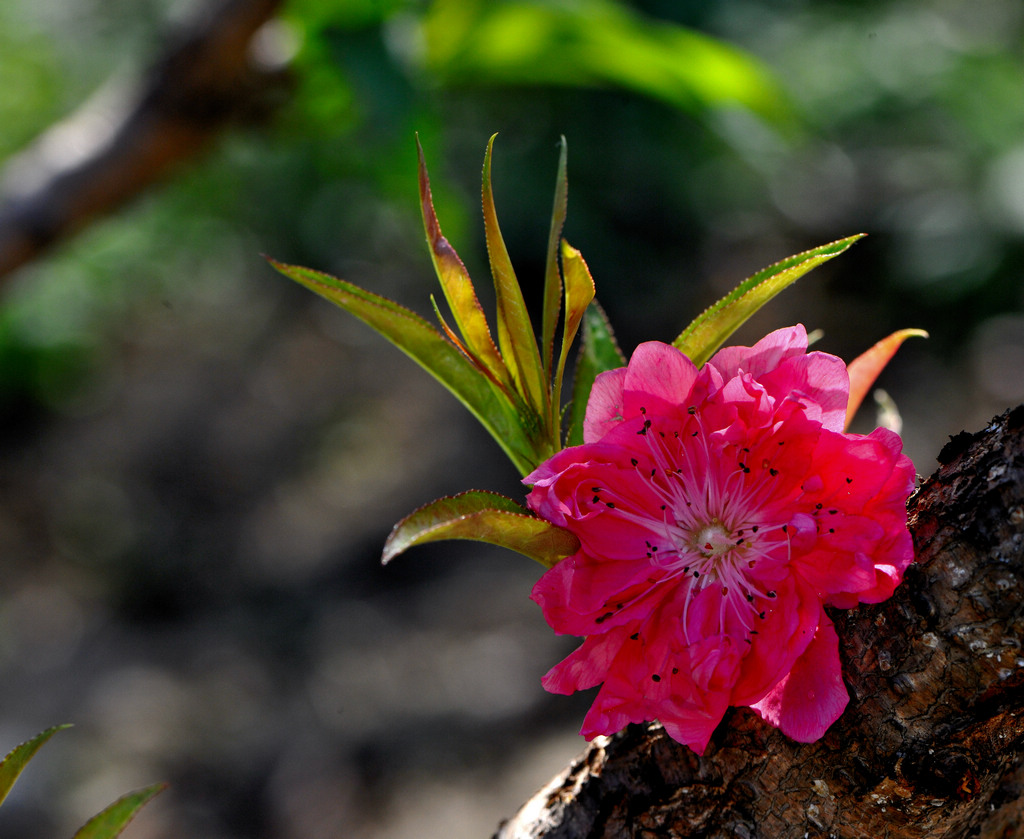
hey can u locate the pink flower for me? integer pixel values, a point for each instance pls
(719, 511)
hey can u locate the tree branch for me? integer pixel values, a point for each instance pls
(931, 742)
(124, 140)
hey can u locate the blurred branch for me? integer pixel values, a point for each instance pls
(932, 740)
(116, 145)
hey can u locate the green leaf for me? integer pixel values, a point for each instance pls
(515, 332)
(458, 287)
(431, 350)
(711, 329)
(600, 352)
(483, 517)
(597, 44)
(110, 822)
(552, 277)
(16, 760)
(579, 293)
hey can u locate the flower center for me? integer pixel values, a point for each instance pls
(713, 540)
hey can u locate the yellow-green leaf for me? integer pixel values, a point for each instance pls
(483, 517)
(864, 369)
(515, 332)
(711, 329)
(457, 285)
(431, 350)
(579, 292)
(109, 823)
(552, 277)
(16, 760)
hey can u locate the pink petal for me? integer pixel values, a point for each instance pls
(659, 379)
(812, 696)
(784, 635)
(695, 727)
(604, 407)
(610, 713)
(586, 667)
(818, 376)
(764, 356)
(584, 596)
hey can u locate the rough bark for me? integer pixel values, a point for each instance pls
(930, 744)
(130, 136)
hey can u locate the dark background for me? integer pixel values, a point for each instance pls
(199, 461)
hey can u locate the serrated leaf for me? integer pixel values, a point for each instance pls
(711, 329)
(483, 517)
(515, 332)
(579, 293)
(431, 350)
(864, 369)
(599, 352)
(109, 823)
(552, 277)
(457, 286)
(17, 759)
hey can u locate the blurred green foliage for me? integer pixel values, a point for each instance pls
(704, 138)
